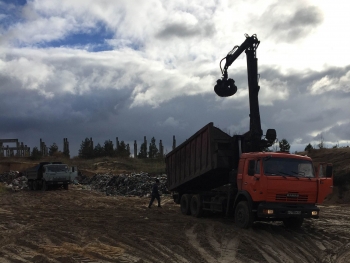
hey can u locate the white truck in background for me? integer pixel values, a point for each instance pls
(47, 175)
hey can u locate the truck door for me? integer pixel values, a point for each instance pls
(252, 179)
(324, 181)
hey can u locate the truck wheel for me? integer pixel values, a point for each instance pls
(30, 185)
(243, 215)
(44, 185)
(196, 206)
(185, 204)
(293, 222)
(35, 185)
(65, 186)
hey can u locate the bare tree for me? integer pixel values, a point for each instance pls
(321, 144)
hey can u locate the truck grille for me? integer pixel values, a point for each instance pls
(291, 198)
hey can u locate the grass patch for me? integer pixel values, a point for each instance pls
(3, 188)
(118, 165)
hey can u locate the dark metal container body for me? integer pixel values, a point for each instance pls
(202, 162)
(35, 173)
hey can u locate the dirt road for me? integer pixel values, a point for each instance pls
(85, 226)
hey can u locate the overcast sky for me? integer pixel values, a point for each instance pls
(128, 69)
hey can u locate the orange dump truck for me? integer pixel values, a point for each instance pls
(209, 172)
(212, 171)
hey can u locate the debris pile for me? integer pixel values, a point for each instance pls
(14, 180)
(124, 184)
(7, 177)
(19, 183)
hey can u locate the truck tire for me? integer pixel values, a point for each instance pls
(44, 185)
(293, 222)
(30, 185)
(35, 185)
(65, 186)
(185, 204)
(196, 206)
(243, 215)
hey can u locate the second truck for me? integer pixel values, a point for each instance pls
(234, 175)
(47, 175)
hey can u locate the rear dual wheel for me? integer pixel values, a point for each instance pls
(30, 185)
(44, 186)
(185, 204)
(35, 185)
(196, 206)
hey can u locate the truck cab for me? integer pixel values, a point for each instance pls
(281, 186)
(46, 175)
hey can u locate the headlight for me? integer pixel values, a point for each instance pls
(314, 213)
(268, 211)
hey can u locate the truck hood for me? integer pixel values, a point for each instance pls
(291, 189)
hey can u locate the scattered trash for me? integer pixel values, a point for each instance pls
(124, 184)
(135, 184)
(9, 176)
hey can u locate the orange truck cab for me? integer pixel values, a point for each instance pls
(281, 186)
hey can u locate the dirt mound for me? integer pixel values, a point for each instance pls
(339, 157)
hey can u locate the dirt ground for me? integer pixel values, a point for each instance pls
(86, 226)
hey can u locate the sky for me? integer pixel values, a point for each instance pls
(130, 68)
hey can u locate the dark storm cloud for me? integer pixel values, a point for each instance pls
(300, 81)
(186, 31)
(291, 27)
(295, 118)
(303, 116)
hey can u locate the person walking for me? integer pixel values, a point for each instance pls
(155, 194)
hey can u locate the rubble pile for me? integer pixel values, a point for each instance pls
(125, 184)
(19, 183)
(14, 180)
(7, 177)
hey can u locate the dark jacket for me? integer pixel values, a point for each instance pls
(155, 190)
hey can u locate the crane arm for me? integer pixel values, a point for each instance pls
(226, 87)
(248, 44)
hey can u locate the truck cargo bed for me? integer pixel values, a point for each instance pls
(202, 162)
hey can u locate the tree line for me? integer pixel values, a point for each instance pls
(87, 151)
(36, 154)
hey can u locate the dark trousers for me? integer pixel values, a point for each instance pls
(152, 199)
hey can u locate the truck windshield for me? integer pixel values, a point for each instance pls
(288, 167)
(57, 168)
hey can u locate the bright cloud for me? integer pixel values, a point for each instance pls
(114, 61)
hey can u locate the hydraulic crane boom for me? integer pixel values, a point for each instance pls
(225, 87)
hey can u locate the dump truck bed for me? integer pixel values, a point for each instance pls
(202, 162)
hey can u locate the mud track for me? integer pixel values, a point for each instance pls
(85, 226)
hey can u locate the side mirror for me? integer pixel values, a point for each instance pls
(251, 168)
(271, 135)
(329, 171)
